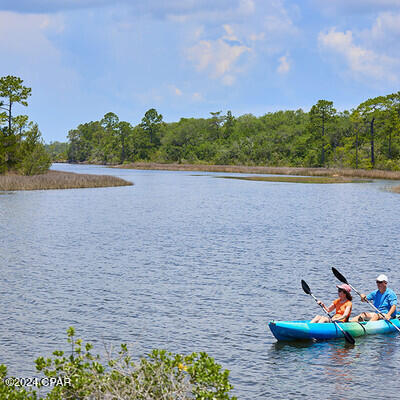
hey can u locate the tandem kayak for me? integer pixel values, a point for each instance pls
(301, 330)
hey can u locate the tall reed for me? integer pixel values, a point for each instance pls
(58, 180)
(356, 173)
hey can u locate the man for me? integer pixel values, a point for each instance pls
(384, 299)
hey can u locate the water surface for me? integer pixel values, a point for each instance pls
(191, 263)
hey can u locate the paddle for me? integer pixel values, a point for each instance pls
(344, 280)
(346, 335)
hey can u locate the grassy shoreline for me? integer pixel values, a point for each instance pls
(297, 179)
(338, 173)
(58, 180)
(333, 172)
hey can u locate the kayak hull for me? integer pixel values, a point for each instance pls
(304, 330)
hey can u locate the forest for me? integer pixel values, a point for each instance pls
(21, 147)
(366, 137)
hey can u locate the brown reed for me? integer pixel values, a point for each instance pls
(396, 189)
(297, 179)
(58, 180)
(334, 172)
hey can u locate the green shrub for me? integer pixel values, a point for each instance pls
(160, 375)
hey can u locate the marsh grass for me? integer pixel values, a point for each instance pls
(295, 179)
(396, 189)
(58, 180)
(333, 172)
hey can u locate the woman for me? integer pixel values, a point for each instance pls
(342, 306)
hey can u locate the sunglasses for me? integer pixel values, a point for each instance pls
(378, 282)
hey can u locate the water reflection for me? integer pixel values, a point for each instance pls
(340, 361)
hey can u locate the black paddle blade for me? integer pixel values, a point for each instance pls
(348, 337)
(305, 287)
(339, 275)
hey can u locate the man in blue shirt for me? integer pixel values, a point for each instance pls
(384, 299)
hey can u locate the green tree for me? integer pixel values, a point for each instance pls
(229, 124)
(123, 132)
(372, 110)
(151, 124)
(320, 115)
(110, 142)
(12, 91)
(33, 158)
(58, 151)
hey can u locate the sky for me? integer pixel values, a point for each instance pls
(84, 58)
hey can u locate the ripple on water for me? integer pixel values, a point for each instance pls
(190, 263)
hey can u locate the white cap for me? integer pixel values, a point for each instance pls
(382, 278)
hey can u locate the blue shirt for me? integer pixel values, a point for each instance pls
(383, 302)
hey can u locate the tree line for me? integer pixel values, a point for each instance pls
(365, 137)
(21, 146)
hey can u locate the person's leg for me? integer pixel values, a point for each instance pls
(323, 320)
(376, 317)
(365, 316)
(315, 319)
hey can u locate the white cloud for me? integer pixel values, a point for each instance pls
(246, 7)
(385, 32)
(284, 65)
(30, 52)
(362, 62)
(218, 57)
(266, 31)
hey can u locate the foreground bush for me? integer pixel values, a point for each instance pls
(160, 375)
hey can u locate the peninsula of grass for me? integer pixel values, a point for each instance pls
(296, 179)
(396, 189)
(322, 172)
(58, 180)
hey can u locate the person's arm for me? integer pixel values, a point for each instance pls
(391, 311)
(393, 303)
(343, 317)
(370, 297)
(363, 297)
(327, 309)
(331, 307)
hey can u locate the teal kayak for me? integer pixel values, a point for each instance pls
(298, 330)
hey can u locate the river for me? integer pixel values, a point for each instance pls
(188, 262)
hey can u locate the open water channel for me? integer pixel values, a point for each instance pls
(187, 262)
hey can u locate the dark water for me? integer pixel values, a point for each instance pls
(193, 263)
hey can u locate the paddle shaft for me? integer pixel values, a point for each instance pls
(380, 313)
(344, 280)
(346, 335)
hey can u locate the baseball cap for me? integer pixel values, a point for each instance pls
(345, 287)
(382, 278)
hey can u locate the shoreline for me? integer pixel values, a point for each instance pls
(332, 172)
(52, 180)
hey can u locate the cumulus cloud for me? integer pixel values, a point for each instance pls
(284, 65)
(361, 61)
(266, 30)
(29, 50)
(219, 57)
(385, 32)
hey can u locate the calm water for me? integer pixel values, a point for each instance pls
(193, 263)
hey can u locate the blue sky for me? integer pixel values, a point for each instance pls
(84, 58)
